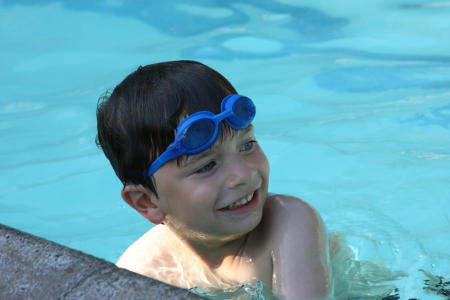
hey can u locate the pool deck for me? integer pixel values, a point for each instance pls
(35, 268)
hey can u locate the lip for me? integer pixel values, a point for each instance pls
(245, 208)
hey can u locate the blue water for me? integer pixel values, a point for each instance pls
(353, 112)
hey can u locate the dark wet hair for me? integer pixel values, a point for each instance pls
(137, 121)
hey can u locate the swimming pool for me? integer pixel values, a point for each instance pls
(363, 132)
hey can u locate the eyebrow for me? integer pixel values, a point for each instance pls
(191, 158)
(246, 130)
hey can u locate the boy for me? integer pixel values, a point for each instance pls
(180, 138)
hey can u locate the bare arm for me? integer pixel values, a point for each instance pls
(299, 250)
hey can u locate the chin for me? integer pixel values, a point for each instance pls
(231, 233)
(251, 224)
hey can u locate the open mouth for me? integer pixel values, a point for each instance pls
(242, 205)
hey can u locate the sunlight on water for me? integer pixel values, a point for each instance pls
(252, 291)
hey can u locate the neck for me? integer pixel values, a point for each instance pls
(214, 251)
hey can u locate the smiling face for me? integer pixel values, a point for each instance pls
(218, 194)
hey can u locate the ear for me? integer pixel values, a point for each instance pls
(144, 202)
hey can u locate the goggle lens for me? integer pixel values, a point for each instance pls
(198, 134)
(244, 109)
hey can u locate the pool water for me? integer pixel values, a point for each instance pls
(353, 112)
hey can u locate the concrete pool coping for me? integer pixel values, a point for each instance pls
(35, 268)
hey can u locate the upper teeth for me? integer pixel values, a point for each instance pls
(240, 202)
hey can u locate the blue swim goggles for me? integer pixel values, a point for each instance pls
(200, 130)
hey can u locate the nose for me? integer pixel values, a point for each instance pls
(239, 171)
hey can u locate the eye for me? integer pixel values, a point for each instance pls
(209, 166)
(247, 146)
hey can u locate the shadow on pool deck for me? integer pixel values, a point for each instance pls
(35, 268)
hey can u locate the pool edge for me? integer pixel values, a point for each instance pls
(35, 268)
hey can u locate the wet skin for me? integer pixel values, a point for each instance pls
(208, 240)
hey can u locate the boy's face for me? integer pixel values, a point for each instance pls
(204, 197)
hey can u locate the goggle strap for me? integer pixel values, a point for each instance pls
(161, 160)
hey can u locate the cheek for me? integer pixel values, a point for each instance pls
(203, 191)
(193, 196)
(262, 162)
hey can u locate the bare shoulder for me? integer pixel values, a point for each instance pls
(289, 217)
(280, 199)
(136, 256)
(298, 240)
(285, 217)
(157, 254)
(290, 208)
